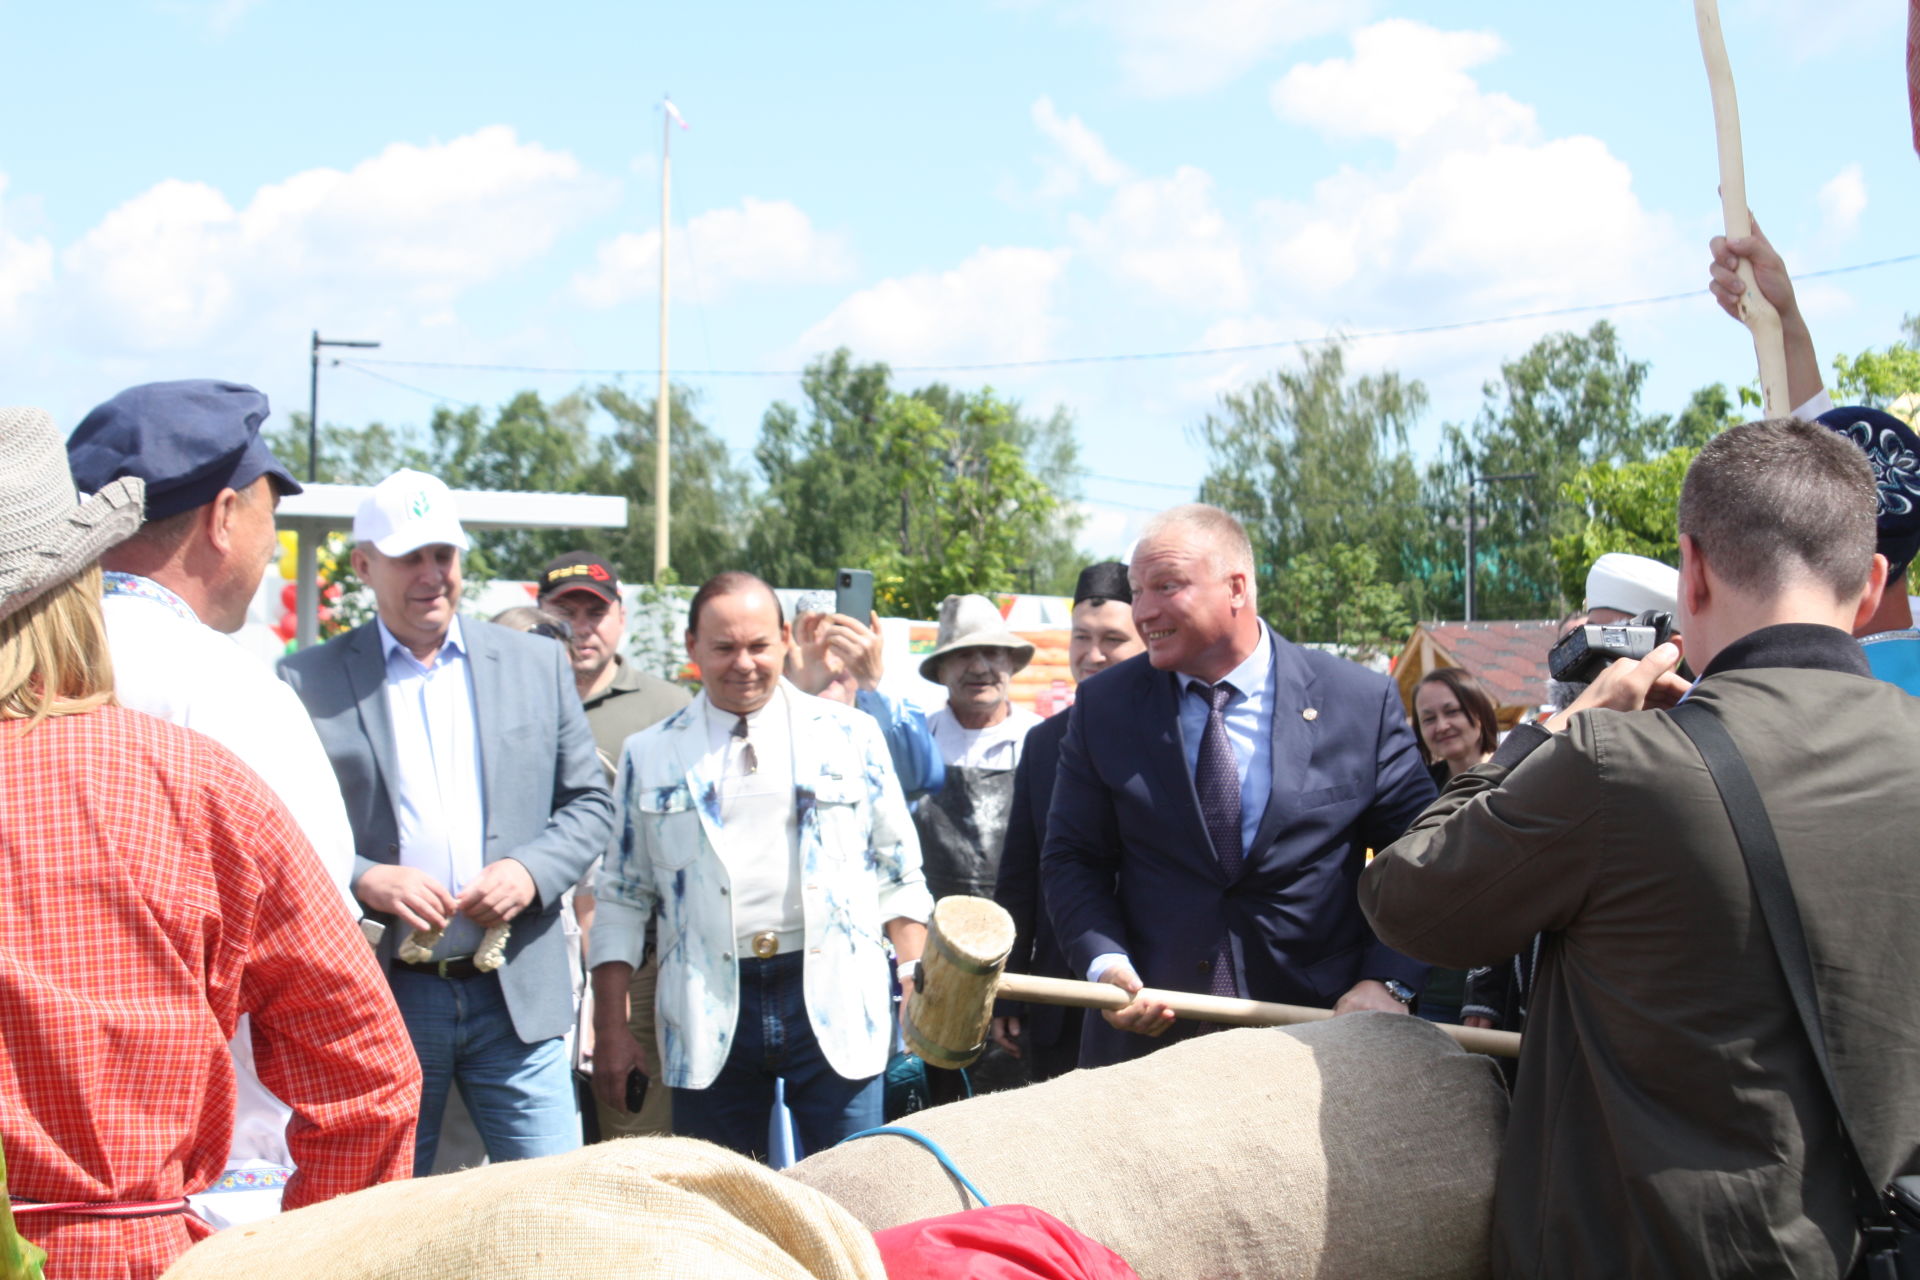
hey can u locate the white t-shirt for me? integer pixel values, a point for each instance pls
(170, 665)
(994, 747)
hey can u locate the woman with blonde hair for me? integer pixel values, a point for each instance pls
(156, 891)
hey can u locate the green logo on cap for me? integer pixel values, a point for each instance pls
(422, 504)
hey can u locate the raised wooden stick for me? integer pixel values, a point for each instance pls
(1769, 343)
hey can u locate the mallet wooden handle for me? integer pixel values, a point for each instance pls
(1762, 320)
(1205, 1008)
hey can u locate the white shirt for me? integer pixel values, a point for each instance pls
(759, 830)
(437, 799)
(170, 665)
(995, 747)
(174, 667)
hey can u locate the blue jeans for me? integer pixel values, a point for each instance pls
(773, 1040)
(520, 1095)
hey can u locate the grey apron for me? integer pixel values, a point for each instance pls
(963, 827)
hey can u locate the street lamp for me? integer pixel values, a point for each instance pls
(313, 400)
(1473, 488)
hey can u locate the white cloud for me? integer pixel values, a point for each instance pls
(1079, 154)
(1405, 82)
(414, 225)
(759, 242)
(1169, 49)
(26, 267)
(1843, 198)
(1167, 234)
(1476, 212)
(997, 305)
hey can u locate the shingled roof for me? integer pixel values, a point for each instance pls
(1509, 658)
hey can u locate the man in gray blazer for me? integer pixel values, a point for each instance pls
(476, 799)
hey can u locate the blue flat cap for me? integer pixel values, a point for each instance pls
(1894, 451)
(188, 440)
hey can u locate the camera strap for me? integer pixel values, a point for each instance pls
(1774, 891)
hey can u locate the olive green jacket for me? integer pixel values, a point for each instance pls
(1668, 1119)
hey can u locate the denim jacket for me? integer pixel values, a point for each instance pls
(860, 867)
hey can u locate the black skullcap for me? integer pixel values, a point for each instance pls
(1104, 581)
(1894, 451)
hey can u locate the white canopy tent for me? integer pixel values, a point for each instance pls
(321, 508)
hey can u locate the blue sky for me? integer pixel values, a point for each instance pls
(188, 187)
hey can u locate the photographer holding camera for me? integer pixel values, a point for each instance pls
(1671, 1116)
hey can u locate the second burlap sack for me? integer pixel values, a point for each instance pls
(637, 1208)
(1361, 1146)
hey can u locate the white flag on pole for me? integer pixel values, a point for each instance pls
(674, 112)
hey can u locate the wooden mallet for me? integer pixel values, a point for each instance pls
(962, 972)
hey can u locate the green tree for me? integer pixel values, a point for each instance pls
(1336, 595)
(937, 491)
(1878, 378)
(1315, 464)
(970, 510)
(1627, 507)
(1571, 400)
(348, 455)
(597, 440)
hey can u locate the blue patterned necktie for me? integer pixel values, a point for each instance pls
(1216, 778)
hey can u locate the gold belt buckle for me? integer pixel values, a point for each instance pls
(765, 944)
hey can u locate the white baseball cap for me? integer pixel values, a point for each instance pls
(406, 511)
(1632, 584)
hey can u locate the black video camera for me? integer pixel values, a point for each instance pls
(1588, 650)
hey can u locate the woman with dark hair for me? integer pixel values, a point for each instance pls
(1455, 722)
(1453, 719)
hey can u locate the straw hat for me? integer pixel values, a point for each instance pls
(49, 535)
(972, 622)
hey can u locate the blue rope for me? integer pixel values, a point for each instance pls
(945, 1160)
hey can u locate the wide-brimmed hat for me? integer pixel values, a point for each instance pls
(50, 534)
(972, 622)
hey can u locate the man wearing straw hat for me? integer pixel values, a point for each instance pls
(158, 891)
(980, 734)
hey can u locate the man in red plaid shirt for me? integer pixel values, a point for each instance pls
(156, 890)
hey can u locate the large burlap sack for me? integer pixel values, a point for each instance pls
(1364, 1146)
(636, 1208)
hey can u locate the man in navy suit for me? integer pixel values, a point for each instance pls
(1215, 800)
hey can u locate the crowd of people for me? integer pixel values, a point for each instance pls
(268, 922)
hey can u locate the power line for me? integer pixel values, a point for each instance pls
(1139, 356)
(356, 367)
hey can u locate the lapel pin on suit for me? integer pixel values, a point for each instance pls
(1310, 714)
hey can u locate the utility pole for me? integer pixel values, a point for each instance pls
(313, 399)
(662, 411)
(1473, 488)
(307, 549)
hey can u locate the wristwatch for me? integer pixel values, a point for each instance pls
(1398, 990)
(909, 970)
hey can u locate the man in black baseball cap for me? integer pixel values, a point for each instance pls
(582, 588)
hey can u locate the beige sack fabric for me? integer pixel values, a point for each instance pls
(1364, 1146)
(637, 1208)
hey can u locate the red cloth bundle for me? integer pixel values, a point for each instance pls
(1004, 1242)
